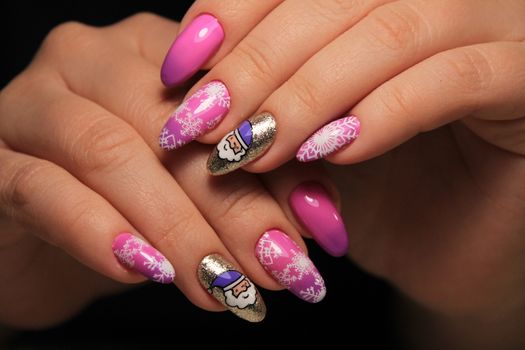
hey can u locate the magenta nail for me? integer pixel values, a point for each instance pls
(191, 49)
(315, 210)
(197, 115)
(139, 256)
(290, 266)
(329, 138)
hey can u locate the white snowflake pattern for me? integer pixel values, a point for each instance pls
(329, 138)
(313, 294)
(129, 249)
(167, 140)
(162, 270)
(189, 125)
(267, 250)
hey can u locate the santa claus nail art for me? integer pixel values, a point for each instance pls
(290, 266)
(139, 256)
(243, 145)
(329, 138)
(197, 115)
(231, 288)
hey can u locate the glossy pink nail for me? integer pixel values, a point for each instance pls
(314, 209)
(139, 256)
(329, 138)
(290, 266)
(191, 49)
(199, 114)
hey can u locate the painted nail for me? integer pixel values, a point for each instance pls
(290, 266)
(191, 49)
(329, 138)
(139, 256)
(243, 145)
(231, 288)
(200, 113)
(314, 209)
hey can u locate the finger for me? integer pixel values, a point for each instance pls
(68, 214)
(210, 29)
(389, 40)
(108, 156)
(311, 201)
(481, 80)
(277, 46)
(252, 225)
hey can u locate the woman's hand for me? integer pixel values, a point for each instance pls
(441, 216)
(81, 165)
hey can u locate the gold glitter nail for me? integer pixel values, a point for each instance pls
(243, 145)
(231, 288)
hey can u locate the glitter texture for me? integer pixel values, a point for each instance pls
(231, 288)
(258, 139)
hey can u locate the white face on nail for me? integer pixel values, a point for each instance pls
(230, 148)
(243, 297)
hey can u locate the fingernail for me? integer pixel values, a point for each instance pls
(200, 113)
(231, 288)
(139, 256)
(191, 49)
(290, 266)
(329, 138)
(314, 209)
(243, 145)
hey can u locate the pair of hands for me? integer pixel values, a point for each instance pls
(439, 216)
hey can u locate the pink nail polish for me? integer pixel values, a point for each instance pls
(191, 49)
(290, 266)
(139, 256)
(329, 138)
(314, 209)
(199, 114)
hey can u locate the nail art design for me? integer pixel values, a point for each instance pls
(315, 210)
(329, 139)
(139, 256)
(191, 49)
(243, 145)
(199, 114)
(290, 266)
(231, 288)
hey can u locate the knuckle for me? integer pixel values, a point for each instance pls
(71, 37)
(142, 19)
(396, 102)
(254, 57)
(469, 68)
(396, 26)
(240, 201)
(171, 230)
(23, 183)
(103, 145)
(305, 94)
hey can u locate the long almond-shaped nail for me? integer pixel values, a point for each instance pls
(315, 210)
(197, 115)
(290, 266)
(231, 288)
(243, 145)
(139, 256)
(329, 138)
(191, 49)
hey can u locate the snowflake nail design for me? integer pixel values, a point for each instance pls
(139, 256)
(290, 266)
(329, 139)
(199, 114)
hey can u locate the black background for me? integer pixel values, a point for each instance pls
(357, 312)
